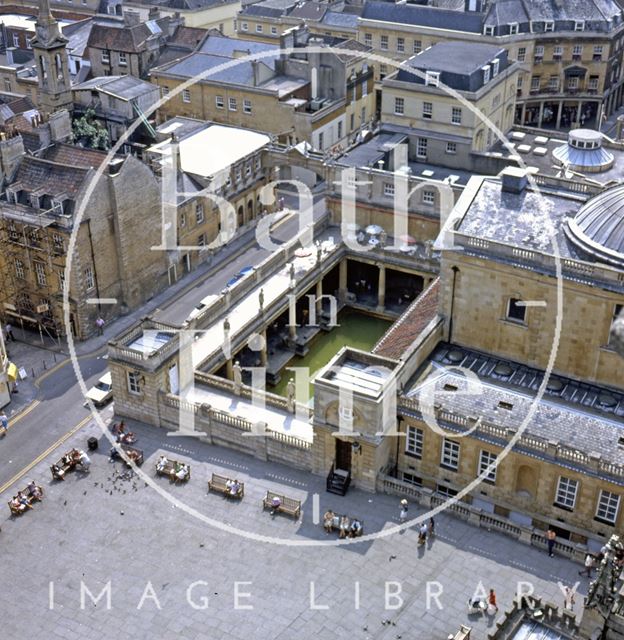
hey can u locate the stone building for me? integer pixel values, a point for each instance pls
(443, 130)
(112, 269)
(570, 55)
(322, 98)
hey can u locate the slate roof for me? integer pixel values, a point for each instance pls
(223, 46)
(122, 87)
(423, 16)
(337, 19)
(38, 174)
(78, 35)
(312, 11)
(189, 37)
(395, 342)
(269, 8)
(74, 156)
(503, 12)
(131, 39)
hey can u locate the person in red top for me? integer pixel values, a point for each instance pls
(492, 600)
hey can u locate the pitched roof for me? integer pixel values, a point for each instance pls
(338, 19)
(189, 37)
(74, 156)
(123, 87)
(129, 38)
(37, 174)
(395, 342)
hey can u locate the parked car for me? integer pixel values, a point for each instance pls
(243, 273)
(102, 392)
(204, 302)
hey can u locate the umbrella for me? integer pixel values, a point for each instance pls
(407, 239)
(303, 252)
(374, 230)
(405, 248)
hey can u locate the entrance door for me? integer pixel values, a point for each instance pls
(172, 274)
(187, 262)
(343, 455)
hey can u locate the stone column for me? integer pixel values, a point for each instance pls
(292, 317)
(523, 117)
(381, 292)
(229, 369)
(342, 280)
(559, 114)
(319, 298)
(541, 114)
(264, 355)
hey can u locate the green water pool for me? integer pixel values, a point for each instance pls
(355, 329)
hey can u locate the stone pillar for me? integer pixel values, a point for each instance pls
(523, 117)
(541, 114)
(319, 298)
(342, 280)
(559, 114)
(579, 109)
(264, 355)
(229, 369)
(381, 291)
(292, 317)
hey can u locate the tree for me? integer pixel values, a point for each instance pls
(89, 132)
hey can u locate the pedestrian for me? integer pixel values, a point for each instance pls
(492, 600)
(403, 512)
(550, 541)
(568, 599)
(422, 534)
(4, 423)
(99, 323)
(590, 562)
(8, 331)
(431, 530)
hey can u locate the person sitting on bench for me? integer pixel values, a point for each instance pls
(68, 459)
(328, 521)
(356, 528)
(276, 503)
(83, 460)
(233, 486)
(344, 527)
(133, 456)
(57, 471)
(24, 500)
(181, 472)
(162, 463)
(33, 490)
(16, 505)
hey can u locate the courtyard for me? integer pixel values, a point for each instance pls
(174, 574)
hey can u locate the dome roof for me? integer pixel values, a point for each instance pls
(598, 227)
(584, 152)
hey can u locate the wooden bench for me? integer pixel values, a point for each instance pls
(133, 453)
(220, 484)
(335, 525)
(65, 464)
(170, 469)
(30, 497)
(287, 505)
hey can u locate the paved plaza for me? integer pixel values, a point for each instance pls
(106, 526)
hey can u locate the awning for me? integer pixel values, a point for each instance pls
(12, 372)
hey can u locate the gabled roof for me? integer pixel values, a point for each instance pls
(44, 176)
(128, 38)
(122, 87)
(337, 19)
(74, 156)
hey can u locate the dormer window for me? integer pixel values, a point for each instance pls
(495, 67)
(11, 196)
(549, 25)
(34, 201)
(488, 31)
(486, 73)
(579, 25)
(432, 78)
(513, 28)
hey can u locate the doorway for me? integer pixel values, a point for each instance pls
(343, 455)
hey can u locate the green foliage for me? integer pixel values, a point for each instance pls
(89, 132)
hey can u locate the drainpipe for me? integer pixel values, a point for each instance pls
(455, 269)
(95, 278)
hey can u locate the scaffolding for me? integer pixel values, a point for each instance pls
(34, 249)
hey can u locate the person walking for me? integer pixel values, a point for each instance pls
(4, 423)
(550, 541)
(590, 563)
(403, 512)
(8, 332)
(568, 599)
(431, 528)
(99, 323)
(492, 600)
(422, 533)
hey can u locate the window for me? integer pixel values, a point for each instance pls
(7, 85)
(165, 91)
(410, 478)
(399, 106)
(248, 169)
(232, 104)
(495, 66)
(489, 31)
(16, 42)
(321, 140)
(535, 83)
(259, 161)
(553, 83)
(244, 26)
(417, 46)
(61, 277)
(577, 51)
(485, 460)
(401, 44)
(19, 269)
(598, 52)
(432, 78)
(608, 507)
(414, 442)
(579, 25)
(557, 52)
(573, 83)
(59, 243)
(199, 213)
(486, 73)
(339, 134)
(592, 83)
(368, 39)
(352, 122)
(384, 43)
(520, 82)
(513, 28)
(201, 240)
(247, 106)
(182, 219)
(105, 57)
(123, 60)
(421, 148)
(220, 103)
(388, 189)
(428, 197)
(427, 111)
(383, 70)
(88, 278)
(40, 274)
(566, 493)
(516, 310)
(549, 25)
(274, 31)
(539, 52)
(521, 54)
(456, 115)
(259, 28)
(134, 382)
(186, 95)
(450, 454)
(451, 147)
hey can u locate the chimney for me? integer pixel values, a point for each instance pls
(132, 18)
(114, 166)
(11, 152)
(514, 180)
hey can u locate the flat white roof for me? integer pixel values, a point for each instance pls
(211, 150)
(26, 22)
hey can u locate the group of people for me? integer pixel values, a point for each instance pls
(70, 461)
(233, 487)
(23, 500)
(178, 471)
(426, 529)
(346, 528)
(118, 429)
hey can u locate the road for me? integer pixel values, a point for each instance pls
(59, 405)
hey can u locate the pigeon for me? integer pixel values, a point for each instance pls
(64, 503)
(391, 558)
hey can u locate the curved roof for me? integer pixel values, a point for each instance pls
(598, 227)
